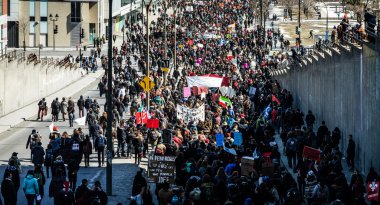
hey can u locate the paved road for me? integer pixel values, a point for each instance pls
(14, 140)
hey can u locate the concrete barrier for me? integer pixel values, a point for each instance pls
(22, 83)
(343, 89)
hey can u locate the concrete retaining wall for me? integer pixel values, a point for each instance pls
(343, 90)
(22, 84)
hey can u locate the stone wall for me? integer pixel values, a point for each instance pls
(22, 84)
(342, 88)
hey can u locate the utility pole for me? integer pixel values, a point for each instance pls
(147, 49)
(175, 38)
(261, 13)
(109, 103)
(165, 39)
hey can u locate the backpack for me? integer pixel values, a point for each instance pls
(87, 103)
(48, 157)
(87, 148)
(90, 118)
(175, 200)
(208, 193)
(39, 178)
(101, 142)
(59, 173)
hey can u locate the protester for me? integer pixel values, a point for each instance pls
(30, 187)
(82, 193)
(100, 144)
(8, 190)
(42, 109)
(97, 195)
(38, 154)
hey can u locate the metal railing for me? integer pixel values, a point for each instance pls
(21, 57)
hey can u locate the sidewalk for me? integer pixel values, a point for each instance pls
(12, 119)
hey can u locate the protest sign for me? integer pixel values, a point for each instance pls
(247, 165)
(186, 92)
(252, 91)
(238, 138)
(219, 139)
(161, 168)
(153, 123)
(191, 114)
(311, 153)
(141, 117)
(230, 150)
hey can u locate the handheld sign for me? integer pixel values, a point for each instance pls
(238, 138)
(161, 168)
(219, 139)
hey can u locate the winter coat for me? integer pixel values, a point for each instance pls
(8, 190)
(38, 155)
(30, 185)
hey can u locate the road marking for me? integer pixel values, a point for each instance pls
(97, 175)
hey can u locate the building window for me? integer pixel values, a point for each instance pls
(31, 8)
(43, 8)
(75, 11)
(43, 27)
(32, 27)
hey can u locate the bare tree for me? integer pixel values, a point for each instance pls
(289, 5)
(307, 4)
(23, 24)
(358, 7)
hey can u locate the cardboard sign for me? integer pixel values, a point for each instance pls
(186, 92)
(161, 168)
(141, 117)
(247, 165)
(166, 136)
(311, 153)
(153, 123)
(238, 138)
(219, 139)
(373, 191)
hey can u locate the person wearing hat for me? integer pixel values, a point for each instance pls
(14, 161)
(82, 193)
(311, 182)
(97, 195)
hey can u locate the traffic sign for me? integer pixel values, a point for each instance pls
(147, 84)
(165, 70)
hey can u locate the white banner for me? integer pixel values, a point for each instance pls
(227, 91)
(204, 81)
(191, 114)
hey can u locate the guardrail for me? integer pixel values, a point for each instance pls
(21, 57)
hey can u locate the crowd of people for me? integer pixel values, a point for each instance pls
(219, 38)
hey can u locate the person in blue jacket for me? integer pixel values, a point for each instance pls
(30, 187)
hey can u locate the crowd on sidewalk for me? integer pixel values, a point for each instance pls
(232, 115)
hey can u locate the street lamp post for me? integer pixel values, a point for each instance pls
(147, 5)
(55, 30)
(109, 104)
(299, 22)
(175, 38)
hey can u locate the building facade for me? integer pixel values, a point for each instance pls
(3, 24)
(47, 23)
